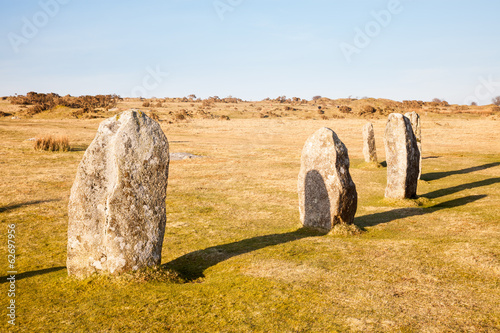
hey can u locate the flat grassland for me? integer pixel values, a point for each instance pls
(234, 256)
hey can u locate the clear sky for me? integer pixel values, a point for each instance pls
(253, 49)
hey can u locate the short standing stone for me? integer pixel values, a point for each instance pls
(402, 158)
(327, 194)
(369, 149)
(415, 125)
(117, 205)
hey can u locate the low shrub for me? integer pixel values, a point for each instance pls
(345, 109)
(367, 109)
(179, 116)
(153, 115)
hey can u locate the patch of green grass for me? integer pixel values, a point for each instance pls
(235, 258)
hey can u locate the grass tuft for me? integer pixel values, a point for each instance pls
(344, 229)
(157, 274)
(49, 143)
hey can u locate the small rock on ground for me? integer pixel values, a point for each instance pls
(183, 156)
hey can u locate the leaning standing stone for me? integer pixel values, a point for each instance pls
(117, 204)
(415, 125)
(327, 194)
(369, 149)
(402, 158)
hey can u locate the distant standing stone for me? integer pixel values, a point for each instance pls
(403, 158)
(369, 148)
(117, 204)
(327, 194)
(415, 125)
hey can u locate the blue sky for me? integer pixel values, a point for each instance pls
(253, 49)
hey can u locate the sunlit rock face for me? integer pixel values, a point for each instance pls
(117, 204)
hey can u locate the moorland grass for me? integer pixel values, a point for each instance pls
(235, 258)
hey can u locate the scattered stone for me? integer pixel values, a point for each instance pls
(415, 125)
(402, 158)
(327, 194)
(117, 204)
(369, 148)
(183, 156)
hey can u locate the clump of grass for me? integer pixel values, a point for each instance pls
(344, 229)
(50, 143)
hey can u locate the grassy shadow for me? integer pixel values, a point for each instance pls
(28, 203)
(439, 175)
(385, 217)
(78, 148)
(25, 275)
(192, 265)
(458, 188)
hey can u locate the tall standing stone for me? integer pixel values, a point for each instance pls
(403, 158)
(415, 125)
(117, 204)
(327, 194)
(369, 148)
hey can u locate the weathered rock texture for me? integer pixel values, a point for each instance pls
(369, 149)
(403, 158)
(327, 194)
(415, 125)
(117, 205)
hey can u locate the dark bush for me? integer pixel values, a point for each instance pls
(43, 102)
(367, 109)
(345, 109)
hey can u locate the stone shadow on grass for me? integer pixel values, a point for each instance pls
(438, 175)
(78, 148)
(191, 266)
(385, 217)
(27, 203)
(458, 188)
(25, 275)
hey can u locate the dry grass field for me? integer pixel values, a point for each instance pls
(234, 256)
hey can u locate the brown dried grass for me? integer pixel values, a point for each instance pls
(50, 143)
